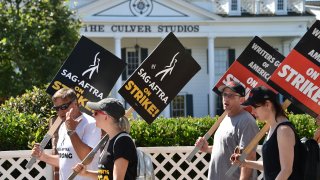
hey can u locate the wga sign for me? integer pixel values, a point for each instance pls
(94, 67)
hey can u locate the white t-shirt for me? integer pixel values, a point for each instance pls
(68, 158)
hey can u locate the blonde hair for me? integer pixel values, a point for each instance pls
(124, 124)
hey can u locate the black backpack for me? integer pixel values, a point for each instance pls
(311, 157)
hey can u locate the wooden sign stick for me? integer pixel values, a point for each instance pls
(101, 143)
(254, 142)
(207, 136)
(45, 140)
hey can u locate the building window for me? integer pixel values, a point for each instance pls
(280, 5)
(182, 106)
(133, 61)
(223, 59)
(133, 57)
(234, 7)
(178, 106)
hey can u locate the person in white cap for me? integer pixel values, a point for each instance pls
(118, 159)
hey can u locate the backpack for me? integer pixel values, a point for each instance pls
(311, 159)
(145, 169)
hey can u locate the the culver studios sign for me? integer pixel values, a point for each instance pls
(134, 28)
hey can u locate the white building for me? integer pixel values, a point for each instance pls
(214, 31)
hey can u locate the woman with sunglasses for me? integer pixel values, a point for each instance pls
(281, 151)
(118, 160)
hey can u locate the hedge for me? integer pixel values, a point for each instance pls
(24, 120)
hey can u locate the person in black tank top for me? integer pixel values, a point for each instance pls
(118, 160)
(281, 149)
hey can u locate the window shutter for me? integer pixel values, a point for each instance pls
(144, 54)
(189, 101)
(231, 56)
(124, 58)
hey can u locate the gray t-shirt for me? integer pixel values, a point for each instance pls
(234, 131)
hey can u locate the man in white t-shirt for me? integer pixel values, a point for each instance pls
(77, 136)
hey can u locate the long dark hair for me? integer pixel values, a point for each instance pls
(279, 110)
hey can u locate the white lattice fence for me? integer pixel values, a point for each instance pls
(12, 166)
(170, 163)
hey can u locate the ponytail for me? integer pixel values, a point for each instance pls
(124, 124)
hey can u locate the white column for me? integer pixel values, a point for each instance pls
(286, 47)
(212, 100)
(117, 86)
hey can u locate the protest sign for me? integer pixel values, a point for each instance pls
(159, 78)
(90, 70)
(297, 78)
(253, 67)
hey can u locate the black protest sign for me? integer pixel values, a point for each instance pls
(159, 78)
(297, 78)
(90, 70)
(253, 67)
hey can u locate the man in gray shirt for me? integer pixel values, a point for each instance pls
(237, 128)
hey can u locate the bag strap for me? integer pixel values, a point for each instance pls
(119, 136)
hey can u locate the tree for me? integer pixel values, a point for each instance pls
(35, 38)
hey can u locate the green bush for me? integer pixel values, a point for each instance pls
(170, 131)
(24, 120)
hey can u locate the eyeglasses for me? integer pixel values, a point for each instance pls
(230, 96)
(99, 112)
(255, 106)
(63, 106)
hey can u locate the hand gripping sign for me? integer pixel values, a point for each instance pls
(297, 78)
(159, 78)
(252, 69)
(92, 71)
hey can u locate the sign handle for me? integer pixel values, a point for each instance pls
(129, 112)
(45, 140)
(85, 161)
(207, 136)
(254, 142)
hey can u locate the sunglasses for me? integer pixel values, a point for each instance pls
(63, 106)
(99, 112)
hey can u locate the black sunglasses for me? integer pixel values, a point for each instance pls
(63, 106)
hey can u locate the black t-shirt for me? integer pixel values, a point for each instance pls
(271, 159)
(124, 148)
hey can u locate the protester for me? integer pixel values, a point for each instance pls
(236, 129)
(281, 151)
(317, 133)
(76, 136)
(118, 160)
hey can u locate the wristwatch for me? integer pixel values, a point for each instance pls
(70, 132)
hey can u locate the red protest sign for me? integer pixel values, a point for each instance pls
(253, 67)
(297, 78)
